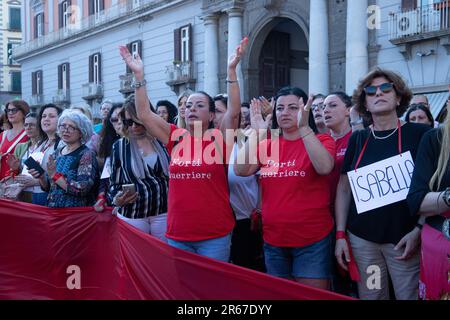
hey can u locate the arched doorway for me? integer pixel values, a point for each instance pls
(278, 58)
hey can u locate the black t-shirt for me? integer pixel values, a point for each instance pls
(388, 224)
(426, 165)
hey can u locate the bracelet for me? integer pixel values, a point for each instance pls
(57, 176)
(446, 197)
(357, 122)
(138, 84)
(303, 137)
(231, 81)
(341, 235)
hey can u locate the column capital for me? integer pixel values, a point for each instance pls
(211, 18)
(235, 12)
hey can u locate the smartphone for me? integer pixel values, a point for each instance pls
(33, 164)
(129, 187)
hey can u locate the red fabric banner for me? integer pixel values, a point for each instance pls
(44, 252)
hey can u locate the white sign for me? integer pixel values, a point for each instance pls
(381, 183)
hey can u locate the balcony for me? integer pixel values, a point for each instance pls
(92, 91)
(121, 13)
(36, 100)
(62, 97)
(126, 80)
(425, 22)
(180, 73)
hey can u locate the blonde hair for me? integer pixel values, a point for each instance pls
(444, 155)
(181, 122)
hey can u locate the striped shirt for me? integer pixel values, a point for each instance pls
(152, 189)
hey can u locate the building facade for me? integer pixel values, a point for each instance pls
(10, 37)
(70, 53)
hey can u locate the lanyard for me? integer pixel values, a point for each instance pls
(399, 128)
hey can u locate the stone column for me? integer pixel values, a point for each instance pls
(318, 48)
(234, 38)
(357, 57)
(211, 84)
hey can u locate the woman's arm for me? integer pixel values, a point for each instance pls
(320, 157)
(231, 117)
(153, 123)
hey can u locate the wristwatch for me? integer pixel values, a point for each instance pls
(138, 84)
(446, 197)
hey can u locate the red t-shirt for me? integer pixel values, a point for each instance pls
(295, 199)
(341, 148)
(199, 205)
(4, 148)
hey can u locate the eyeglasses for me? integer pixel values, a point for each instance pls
(314, 107)
(384, 87)
(31, 125)
(129, 122)
(113, 120)
(67, 127)
(12, 110)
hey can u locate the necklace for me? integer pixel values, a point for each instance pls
(385, 137)
(336, 137)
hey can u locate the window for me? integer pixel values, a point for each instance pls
(36, 83)
(64, 13)
(16, 81)
(14, 19)
(95, 68)
(134, 47)
(64, 76)
(96, 6)
(183, 44)
(39, 25)
(11, 46)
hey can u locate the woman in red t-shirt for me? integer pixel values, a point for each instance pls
(296, 217)
(199, 217)
(16, 110)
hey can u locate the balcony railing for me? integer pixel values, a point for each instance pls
(80, 26)
(180, 73)
(62, 96)
(126, 80)
(36, 100)
(425, 22)
(92, 91)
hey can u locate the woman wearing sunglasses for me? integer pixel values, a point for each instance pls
(140, 160)
(15, 111)
(385, 237)
(111, 132)
(72, 171)
(200, 218)
(429, 196)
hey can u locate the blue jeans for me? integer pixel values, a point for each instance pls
(39, 198)
(309, 262)
(217, 248)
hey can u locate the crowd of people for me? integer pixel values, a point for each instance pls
(274, 196)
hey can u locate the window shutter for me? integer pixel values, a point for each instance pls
(91, 7)
(35, 26)
(41, 83)
(43, 24)
(102, 5)
(177, 44)
(140, 48)
(61, 15)
(190, 43)
(60, 80)
(33, 83)
(408, 5)
(128, 71)
(68, 75)
(99, 67)
(91, 69)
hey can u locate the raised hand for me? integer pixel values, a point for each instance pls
(134, 63)
(303, 114)
(267, 106)
(240, 51)
(13, 162)
(256, 119)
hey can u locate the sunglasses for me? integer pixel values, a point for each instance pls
(114, 120)
(12, 110)
(315, 107)
(129, 122)
(384, 87)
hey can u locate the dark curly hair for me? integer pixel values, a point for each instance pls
(171, 109)
(400, 87)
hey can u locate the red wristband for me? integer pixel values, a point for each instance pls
(341, 235)
(57, 176)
